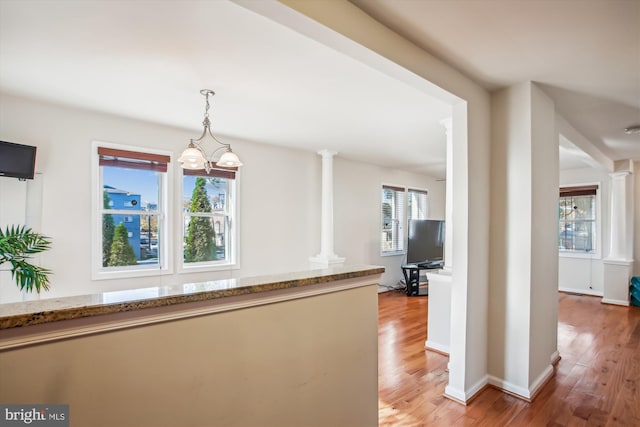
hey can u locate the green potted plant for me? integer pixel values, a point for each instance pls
(17, 244)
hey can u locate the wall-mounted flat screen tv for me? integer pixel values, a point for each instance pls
(17, 160)
(426, 241)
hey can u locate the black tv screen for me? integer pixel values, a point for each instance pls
(426, 241)
(17, 160)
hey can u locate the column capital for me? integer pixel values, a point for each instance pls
(619, 174)
(327, 153)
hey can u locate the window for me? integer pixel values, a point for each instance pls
(209, 218)
(577, 219)
(416, 204)
(130, 207)
(392, 240)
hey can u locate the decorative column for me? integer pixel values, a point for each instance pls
(618, 265)
(326, 257)
(448, 216)
(439, 312)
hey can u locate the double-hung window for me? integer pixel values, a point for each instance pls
(131, 226)
(209, 228)
(416, 204)
(392, 215)
(396, 201)
(577, 219)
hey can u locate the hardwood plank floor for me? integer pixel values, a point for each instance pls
(597, 381)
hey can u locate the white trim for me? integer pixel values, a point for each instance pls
(623, 262)
(522, 392)
(581, 291)
(563, 253)
(615, 302)
(544, 376)
(555, 357)
(440, 348)
(48, 332)
(474, 389)
(509, 387)
(455, 394)
(464, 397)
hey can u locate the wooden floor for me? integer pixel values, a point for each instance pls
(597, 381)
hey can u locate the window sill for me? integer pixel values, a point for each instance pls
(203, 267)
(130, 274)
(578, 254)
(395, 253)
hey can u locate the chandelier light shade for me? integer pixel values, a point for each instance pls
(195, 157)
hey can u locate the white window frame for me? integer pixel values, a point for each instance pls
(98, 272)
(232, 261)
(401, 222)
(597, 254)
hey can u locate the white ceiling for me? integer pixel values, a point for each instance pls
(584, 53)
(149, 59)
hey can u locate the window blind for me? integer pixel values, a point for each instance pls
(583, 190)
(392, 213)
(417, 204)
(133, 159)
(218, 172)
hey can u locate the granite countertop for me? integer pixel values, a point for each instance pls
(27, 313)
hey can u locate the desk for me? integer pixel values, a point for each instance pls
(411, 274)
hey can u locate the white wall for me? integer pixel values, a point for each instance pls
(544, 237)
(357, 211)
(388, 52)
(523, 303)
(279, 198)
(585, 274)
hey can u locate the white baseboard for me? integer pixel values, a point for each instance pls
(555, 357)
(540, 381)
(581, 291)
(615, 302)
(440, 348)
(509, 387)
(524, 393)
(455, 394)
(465, 396)
(474, 389)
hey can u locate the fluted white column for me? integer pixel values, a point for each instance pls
(327, 256)
(448, 214)
(618, 265)
(619, 244)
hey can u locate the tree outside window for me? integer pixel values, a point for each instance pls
(208, 218)
(201, 237)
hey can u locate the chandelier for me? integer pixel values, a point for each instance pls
(195, 156)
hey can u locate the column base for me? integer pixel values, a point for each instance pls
(321, 261)
(617, 273)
